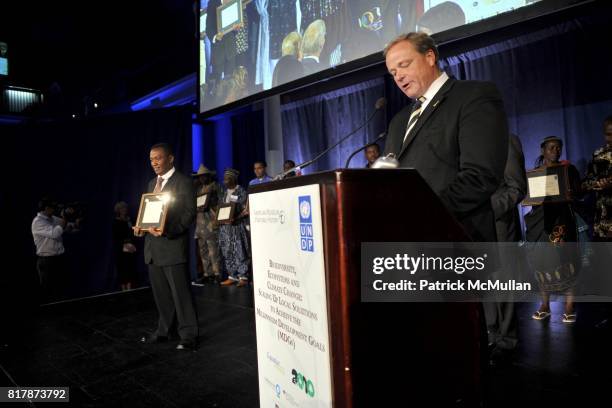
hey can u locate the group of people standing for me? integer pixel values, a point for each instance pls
(558, 223)
(555, 231)
(223, 248)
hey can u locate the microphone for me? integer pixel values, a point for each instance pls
(379, 105)
(386, 162)
(379, 137)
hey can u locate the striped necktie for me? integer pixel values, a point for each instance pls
(158, 185)
(414, 116)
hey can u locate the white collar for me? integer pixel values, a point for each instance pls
(433, 89)
(168, 174)
(311, 57)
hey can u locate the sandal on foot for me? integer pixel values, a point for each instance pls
(540, 315)
(569, 318)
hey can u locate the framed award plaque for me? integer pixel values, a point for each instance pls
(548, 185)
(229, 15)
(153, 210)
(225, 213)
(202, 202)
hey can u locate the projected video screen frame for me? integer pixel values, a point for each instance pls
(4, 59)
(229, 84)
(3, 66)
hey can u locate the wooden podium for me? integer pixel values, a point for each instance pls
(380, 354)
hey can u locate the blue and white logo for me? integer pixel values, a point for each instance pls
(305, 214)
(306, 230)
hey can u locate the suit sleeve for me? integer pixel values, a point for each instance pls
(183, 211)
(483, 145)
(397, 128)
(211, 19)
(514, 187)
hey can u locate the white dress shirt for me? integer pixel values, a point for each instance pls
(433, 90)
(47, 233)
(166, 176)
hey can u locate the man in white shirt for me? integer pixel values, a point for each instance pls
(47, 231)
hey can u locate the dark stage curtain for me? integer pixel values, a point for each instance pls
(313, 124)
(247, 143)
(97, 161)
(555, 81)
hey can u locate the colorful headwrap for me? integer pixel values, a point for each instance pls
(232, 173)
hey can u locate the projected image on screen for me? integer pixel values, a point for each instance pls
(3, 58)
(248, 46)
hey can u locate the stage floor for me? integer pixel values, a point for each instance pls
(91, 346)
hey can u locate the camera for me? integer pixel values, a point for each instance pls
(73, 212)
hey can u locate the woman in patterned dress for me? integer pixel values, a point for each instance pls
(233, 238)
(555, 266)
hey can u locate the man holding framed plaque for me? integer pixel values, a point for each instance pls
(172, 201)
(223, 19)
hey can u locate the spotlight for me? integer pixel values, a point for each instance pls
(73, 116)
(96, 105)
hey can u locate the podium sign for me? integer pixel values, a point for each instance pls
(291, 316)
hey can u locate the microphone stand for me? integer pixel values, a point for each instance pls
(317, 157)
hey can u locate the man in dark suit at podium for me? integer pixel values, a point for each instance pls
(166, 253)
(455, 133)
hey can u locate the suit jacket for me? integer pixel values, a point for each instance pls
(311, 66)
(286, 70)
(227, 46)
(211, 19)
(459, 146)
(172, 247)
(510, 194)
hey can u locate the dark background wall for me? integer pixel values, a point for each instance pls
(98, 162)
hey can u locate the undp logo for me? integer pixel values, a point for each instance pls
(305, 215)
(306, 230)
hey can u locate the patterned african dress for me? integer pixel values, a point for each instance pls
(600, 168)
(233, 238)
(552, 233)
(207, 231)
